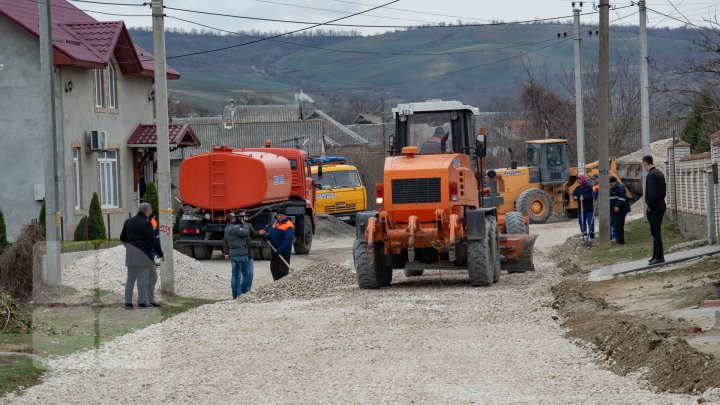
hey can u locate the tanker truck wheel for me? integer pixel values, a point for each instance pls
(369, 271)
(536, 204)
(201, 252)
(494, 247)
(514, 223)
(304, 241)
(480, 266)
(413, 273)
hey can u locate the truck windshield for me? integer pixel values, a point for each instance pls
(339, 179)
(431, 132)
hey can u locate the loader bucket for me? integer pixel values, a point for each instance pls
(517, 252)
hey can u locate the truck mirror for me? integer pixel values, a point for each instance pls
(480, 147)
(319, 173)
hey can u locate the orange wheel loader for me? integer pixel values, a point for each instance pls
(433, 210)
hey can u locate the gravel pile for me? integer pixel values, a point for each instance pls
(658, 150)
(327, 226)
(107, 267)
(314, 281)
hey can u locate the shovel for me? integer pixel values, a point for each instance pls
(280, 256)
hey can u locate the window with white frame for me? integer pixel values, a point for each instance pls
(99, 88)
(112, 86)
(109, 182)
(76, 178)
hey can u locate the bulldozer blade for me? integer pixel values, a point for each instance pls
(519, 253)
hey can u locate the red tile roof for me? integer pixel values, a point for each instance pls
(80, 40)
(180, 135)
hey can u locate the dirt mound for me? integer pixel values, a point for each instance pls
(327, 226)
(566, 256)
(630, 344)
(314, 281)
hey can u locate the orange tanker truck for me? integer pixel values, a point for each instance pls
(258, 180)
(433, 210)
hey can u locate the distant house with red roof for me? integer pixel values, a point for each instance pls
(105, 109)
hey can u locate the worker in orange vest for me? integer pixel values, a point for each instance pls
(280, 235)
(153, 275)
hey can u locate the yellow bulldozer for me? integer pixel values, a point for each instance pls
(546, 183)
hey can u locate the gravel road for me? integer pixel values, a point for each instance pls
(431, 339)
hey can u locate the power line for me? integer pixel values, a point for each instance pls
(366, 52)
(280, 35)
(413, 11)
(339, 11)
(87, 11)
(111, 3)
(686, 22)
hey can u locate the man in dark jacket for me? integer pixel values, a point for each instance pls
(583, 194)
(281, 235)
(619, 208)
(236, 247)
(139, 239)
(655, 203)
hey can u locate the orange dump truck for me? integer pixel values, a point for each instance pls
(258, 180)
(434, 211)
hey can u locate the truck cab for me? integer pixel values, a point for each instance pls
(340, 191)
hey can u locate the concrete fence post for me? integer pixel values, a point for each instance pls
(710, 201)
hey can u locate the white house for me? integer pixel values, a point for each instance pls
(105, 115)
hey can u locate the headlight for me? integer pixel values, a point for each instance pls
(207, 215)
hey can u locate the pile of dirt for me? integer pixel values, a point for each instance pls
(567, 256)
(311, 282)
(327, 226)
(629, 343)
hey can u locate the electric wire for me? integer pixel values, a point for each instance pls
(340, 11)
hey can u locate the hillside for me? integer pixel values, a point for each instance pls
(488, 61)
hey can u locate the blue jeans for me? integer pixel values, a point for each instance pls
(586, 219)
(242, 275)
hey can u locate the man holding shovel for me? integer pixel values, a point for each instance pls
(280, 238)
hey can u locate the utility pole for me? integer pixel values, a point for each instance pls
(644, 92)
(167, 269)
(579, 116)
(604, 123)
(50, 148)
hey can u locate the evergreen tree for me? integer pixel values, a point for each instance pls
(3, 233)
(96, 225)
(151, 197)
(79, 234)
(703, 121)
(41, 219)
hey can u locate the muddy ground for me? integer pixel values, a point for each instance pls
(652, 323)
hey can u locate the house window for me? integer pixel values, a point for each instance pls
(76, 177)
(112, 87)
(99, 88)
(109, 182)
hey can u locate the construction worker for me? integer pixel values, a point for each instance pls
(583, 194)
(619, 208)
(596, 192)
(152, 271)
(280, 235)
(436, 143)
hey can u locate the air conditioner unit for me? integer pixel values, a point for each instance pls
(98, 140)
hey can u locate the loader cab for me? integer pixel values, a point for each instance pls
(550, 156)
(435, 127)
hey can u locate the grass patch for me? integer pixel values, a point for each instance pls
(79, 246)
(18, 371)
(701, 268)
(62, 330)
(638, 243)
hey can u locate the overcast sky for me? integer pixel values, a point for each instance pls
(403, 12)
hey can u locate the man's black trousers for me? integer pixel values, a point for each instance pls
(655, 218)
(278, 269)
(619, 224)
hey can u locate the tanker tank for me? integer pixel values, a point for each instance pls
(228, 179)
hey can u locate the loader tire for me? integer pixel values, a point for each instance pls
(304, 240)
(514, 223)
(536, 204)
(369, 269)
(480, 267)
(494, 247)
(413, 273)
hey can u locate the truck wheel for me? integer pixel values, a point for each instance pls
(367, 267)
(536, 204)
(385, 270)
(514, 223)
(480, 267)
(201, 252)
(494, 247)
(413, 273)
(304, 241)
